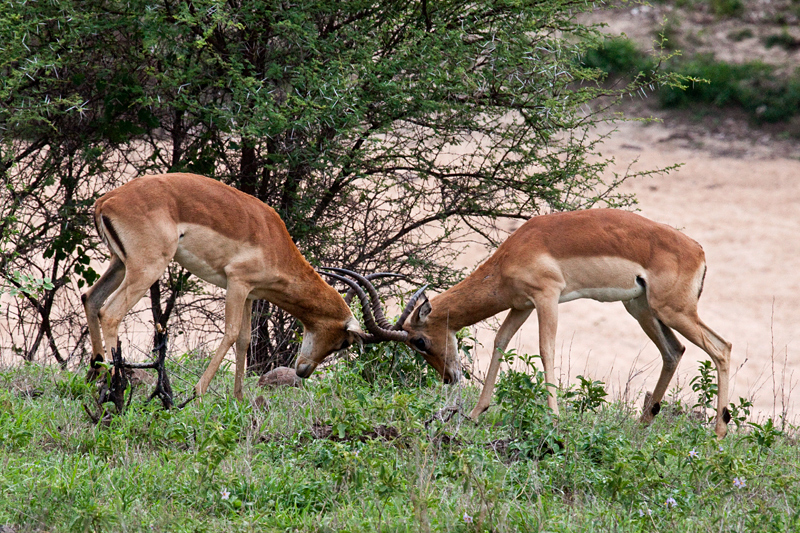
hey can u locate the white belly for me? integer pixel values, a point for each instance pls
(605, 279)
(604, 294)
(207, 254)
(200, 268)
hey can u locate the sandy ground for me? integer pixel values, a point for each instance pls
(744, 209)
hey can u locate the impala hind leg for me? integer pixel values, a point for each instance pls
(690, 326)
(668, 344)
(140, 274)
(511, 324)
(93, 300)
(235, 302)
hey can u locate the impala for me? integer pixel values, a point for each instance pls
(603, 254)
(225, 237)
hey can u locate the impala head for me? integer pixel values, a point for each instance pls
(431, 337)
(322, 338)
(415, 327)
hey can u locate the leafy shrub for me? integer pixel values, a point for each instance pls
(753, 87)
(589, 396)
(739, 412)
(393, 362)
(750, 86)
(783, 39)
(727, 8)
(617, 57)
(523, 406)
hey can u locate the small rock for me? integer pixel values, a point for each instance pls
(282, 376)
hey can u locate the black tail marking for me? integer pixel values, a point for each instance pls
(702, 281)
(112, 233)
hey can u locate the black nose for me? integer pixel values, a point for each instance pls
(447, 379)
(304, 371)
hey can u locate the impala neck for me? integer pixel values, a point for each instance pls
(476, 298)
(302, 293)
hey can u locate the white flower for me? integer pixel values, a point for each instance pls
(647, 512)
(467, 518)
(225, 494)
(739, 482)
(693, 454)
(671, 502)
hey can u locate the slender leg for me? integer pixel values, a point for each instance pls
(139, 276)
(242, 342)
(93, 300)
(235, 299)
(512, 323)
(668, 344)
(690, 326)
(547, 312)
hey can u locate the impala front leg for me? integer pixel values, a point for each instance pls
(234, 308)
(547, 313)
(242, 342)
(512, 323)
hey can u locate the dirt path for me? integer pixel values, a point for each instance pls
(745, 211)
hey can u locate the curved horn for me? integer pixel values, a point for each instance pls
(374, 297)
(375, 275)
(409, 308)
(377, 333)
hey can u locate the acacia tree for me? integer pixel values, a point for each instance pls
(382, 132)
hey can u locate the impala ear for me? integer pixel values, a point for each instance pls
(420, 314)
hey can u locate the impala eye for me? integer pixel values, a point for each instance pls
(419, 344)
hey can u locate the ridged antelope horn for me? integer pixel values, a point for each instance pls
(377, 333)
(375, 275)
(409, 308)
(374, 297)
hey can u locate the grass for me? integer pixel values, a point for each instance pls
(379, 445)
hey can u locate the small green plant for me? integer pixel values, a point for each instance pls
(91, 516)
(739, 412)
(704, 385)
(763, 435)
(589, 395)
(523, 403)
